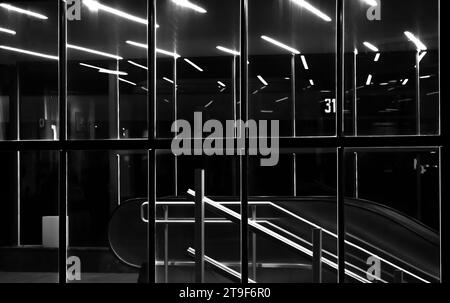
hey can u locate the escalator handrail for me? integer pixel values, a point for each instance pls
(326, 231)
(222, 268)
(232, 215)
(313, 225)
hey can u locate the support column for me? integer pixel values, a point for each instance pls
(199, 226)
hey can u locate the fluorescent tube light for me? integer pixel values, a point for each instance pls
(126, 81)
(209, 103)
(23, 11)
(421, 56)
(281, 45)
(405, 81)
(227, 50)
(142, 45)
(221, 83)
(262, 80)
(419, 45)
(112, 72)
(91, 66)
(311, 82)
(8, 31)
(93, 51)
(137, 64)
(164, 52)
(312, 9)
(369, 79)
(95, 6)
(27, 52)
(305, 64)
(371, 46)
(187, 4)
(377, 57)
(158, 50)
(193, 64)
(281, 100)
(168, 80)
(105, 70)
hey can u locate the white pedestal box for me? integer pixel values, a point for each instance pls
(50, 231)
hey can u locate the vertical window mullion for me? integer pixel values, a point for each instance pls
(244, 163)
(339, 133)
(151, 125)
(62, 183)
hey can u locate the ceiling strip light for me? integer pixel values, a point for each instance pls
(158, 50)
(281, 100)
(227, 50)
(305, 64)
(112, 72)
(262, 80)
(137, 64)
(193, 64)
(187, 4)
(95, 6)
(23, 11)
(369, 79)
(164, 52)
(421, 56)
(281, 45)
(126, 81)
(8, 31)
(92, 51)
(419, 45)
(168, 80)
(142, 45)
(312, 9)
(91, 66)
(27, 52)
(377, 57)
(105, 70)
(371, 46)
(210, 102)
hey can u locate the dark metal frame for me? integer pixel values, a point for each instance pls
(340, 142)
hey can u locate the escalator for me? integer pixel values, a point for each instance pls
(400, 244)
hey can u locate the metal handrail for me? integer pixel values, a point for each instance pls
(313, 225)
(227, 271)
(256, 227)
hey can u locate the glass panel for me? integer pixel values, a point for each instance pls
(106, 190)
(292, 65)
(392, 68)
(29, 217)
(107, 79)
(292, 199)
(29, 71)
(392, 213)
(193, 74)
(175, 216)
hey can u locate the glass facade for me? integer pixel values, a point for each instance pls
(345, 94)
